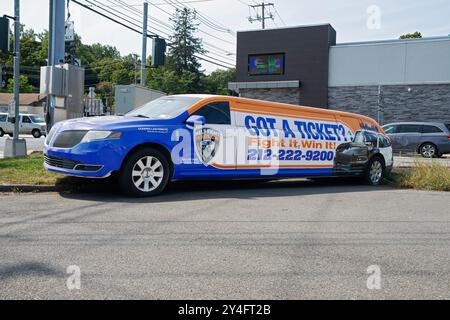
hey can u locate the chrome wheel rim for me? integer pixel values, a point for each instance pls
(376, 172)
(147, 174)
(428, 151)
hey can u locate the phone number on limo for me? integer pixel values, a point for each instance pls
(289, 155)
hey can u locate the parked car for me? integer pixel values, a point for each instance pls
(430, 139)
(28, 124)
(214, 138)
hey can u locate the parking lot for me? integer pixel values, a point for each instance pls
(239, 240)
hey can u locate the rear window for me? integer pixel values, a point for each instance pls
(431, 129)
(448, 126)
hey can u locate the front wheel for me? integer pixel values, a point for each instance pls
(36, 133)
(375, 171)
(146, 173)
(2, 133)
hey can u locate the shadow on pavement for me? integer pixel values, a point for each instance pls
(108, 191)
(27, 269)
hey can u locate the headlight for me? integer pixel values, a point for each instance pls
(101, 135)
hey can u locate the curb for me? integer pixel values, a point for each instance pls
(30, 188)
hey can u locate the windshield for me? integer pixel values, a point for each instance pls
(37, 119)
(165, 107)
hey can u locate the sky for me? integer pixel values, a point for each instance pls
(354, 20)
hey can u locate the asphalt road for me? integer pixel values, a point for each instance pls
(275, 240)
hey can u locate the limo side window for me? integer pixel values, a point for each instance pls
(215, 113)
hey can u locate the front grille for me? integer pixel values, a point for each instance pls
(60, 162)
(69, 139)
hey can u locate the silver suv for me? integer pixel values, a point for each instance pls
(430, 139)
(28, 123)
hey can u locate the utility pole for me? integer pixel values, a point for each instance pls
(16, 147)
(56, 49)
(144, 45)
(261, 18)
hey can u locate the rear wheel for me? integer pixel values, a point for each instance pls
(428, 150)
(375, 171)
(36, 133)
(11, 135)
(145, 173)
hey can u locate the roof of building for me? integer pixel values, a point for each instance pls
(393, 41)
(26, 99)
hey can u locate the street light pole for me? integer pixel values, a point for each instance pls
(16, 74)
(16, 147)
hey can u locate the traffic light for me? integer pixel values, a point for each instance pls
(4, 35)
(159, 52)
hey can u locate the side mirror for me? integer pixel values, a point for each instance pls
(192, 121)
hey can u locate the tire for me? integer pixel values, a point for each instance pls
(375, 171)
(428, 150)
(139, 178)
(36, 133)
(2, 133)
(11, 135)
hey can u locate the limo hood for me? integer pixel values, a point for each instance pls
(107, 123)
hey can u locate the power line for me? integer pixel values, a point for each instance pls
(135, 11)
(202, 57)
(225, 55)
(279, 16)
(207, 20)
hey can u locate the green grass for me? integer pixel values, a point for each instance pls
(425, 176)
(28, 171)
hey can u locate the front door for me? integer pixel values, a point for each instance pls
(25, 125)
(214, 144)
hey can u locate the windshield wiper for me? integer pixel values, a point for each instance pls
(140, 116)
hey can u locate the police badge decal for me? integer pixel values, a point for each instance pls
(207, 142)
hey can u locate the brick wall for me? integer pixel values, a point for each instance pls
(422, 103)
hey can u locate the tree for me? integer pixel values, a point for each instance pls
(185, 46)
(217, 81)
(24, 86)
(415, 35)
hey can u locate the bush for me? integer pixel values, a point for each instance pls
(425, 176)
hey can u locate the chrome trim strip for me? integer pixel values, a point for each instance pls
(75, 175)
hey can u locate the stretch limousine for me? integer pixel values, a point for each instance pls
(187, 137)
